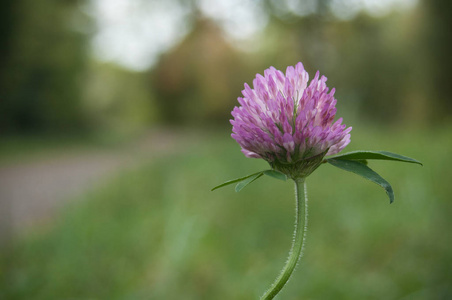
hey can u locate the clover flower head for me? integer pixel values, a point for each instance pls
(290, 124)
(287, 122)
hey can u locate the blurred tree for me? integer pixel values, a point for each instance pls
(438, 39)
(200, 79)
(118, 100)
(370, 68)
(366, 58)
(369, 59)
(43, 55)
(6, 31)
(393, 68)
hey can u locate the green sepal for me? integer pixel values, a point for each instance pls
(382, 155)
(364, 171)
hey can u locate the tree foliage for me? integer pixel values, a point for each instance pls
(45, 53)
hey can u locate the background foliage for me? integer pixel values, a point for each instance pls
(393, 68)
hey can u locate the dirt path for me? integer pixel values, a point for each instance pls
(31, 192)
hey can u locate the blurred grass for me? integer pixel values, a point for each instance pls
(159, 233)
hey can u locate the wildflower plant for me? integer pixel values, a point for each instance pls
(290, 124)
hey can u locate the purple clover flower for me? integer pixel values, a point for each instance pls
(291, 125)
(288, 123)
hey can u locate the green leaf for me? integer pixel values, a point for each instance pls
(363, 161)
(236, 180)
(384, 155)
(275, 174)
(247, 181)
(244, 181)
(364, 171)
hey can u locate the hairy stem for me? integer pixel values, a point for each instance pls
(301, 222)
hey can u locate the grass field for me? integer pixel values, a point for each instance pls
(159, 233)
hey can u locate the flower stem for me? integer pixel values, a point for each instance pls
(301, 222)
